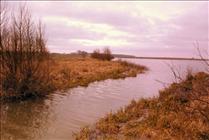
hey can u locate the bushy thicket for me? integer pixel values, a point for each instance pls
(105, 55)
(83, 54)
(24, 58)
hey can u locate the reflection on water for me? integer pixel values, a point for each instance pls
(24, 120)
(56, 117)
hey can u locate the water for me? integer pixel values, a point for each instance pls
(57, 117)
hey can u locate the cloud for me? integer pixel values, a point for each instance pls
(191, 27)
(101, 42)
(139, 28)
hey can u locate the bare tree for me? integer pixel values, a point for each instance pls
(83, 54)
(23, 55)
(106, 55)
(95, 54)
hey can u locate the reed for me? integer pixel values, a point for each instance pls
(180, 112)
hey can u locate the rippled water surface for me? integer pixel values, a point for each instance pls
(57, 117)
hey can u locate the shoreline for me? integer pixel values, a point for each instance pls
(166, 58)
(71, 72)
(147, 118)
(83, 71)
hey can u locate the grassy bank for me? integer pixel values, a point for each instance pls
(180, 112)
(68, 72)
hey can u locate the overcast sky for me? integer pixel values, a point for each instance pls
(138, 28)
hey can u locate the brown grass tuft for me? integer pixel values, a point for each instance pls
(180, 112)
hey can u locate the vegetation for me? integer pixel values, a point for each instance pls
(25, 61)
(83, 54)
(180, 112)
(23, 56)
(106, 55)
(69, 71)
(75, 71)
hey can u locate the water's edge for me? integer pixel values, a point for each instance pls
(63, 113)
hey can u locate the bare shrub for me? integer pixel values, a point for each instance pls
(106, 55)
(23, 55)
(193, 90)
(96, 54)
(205, 60)
(83, 54)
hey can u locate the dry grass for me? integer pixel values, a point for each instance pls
(68, 72)
(175, 114)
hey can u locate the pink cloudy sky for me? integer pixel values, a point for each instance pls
(139, 28)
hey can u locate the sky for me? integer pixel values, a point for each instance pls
(141, 28)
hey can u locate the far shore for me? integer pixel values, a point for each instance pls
(138, 57)
(165, 58)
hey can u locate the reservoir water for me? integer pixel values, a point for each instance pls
(61, 114)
